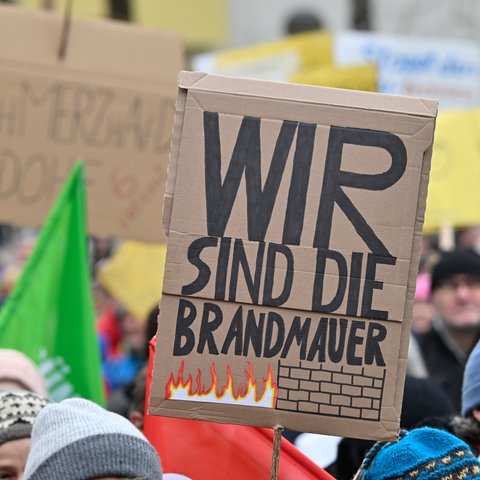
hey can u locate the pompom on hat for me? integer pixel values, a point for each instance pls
(424, 453)
(76, 439)
(18, 410)
(471, 382)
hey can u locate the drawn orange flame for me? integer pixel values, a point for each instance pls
(248, 393)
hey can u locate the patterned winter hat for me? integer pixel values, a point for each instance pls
(424, 453)
(18, 410)
(76, 439)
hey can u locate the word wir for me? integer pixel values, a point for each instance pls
(247, 159)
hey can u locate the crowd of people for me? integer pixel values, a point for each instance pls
(442, 386)
(78, 439)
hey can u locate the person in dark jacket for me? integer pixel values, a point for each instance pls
(455, 288)
(467, 425)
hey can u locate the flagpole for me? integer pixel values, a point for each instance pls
(276, 452)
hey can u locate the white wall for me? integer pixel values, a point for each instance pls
(256, 21)
(434, 18)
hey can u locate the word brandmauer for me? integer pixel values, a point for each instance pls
(269, 334)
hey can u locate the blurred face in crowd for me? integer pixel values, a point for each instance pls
(133, 332)
(457, 300)
(13, 457)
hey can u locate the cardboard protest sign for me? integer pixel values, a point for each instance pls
(294, 215)
(110, 101)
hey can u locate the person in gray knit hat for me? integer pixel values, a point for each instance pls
(77, 439)
(18, 410)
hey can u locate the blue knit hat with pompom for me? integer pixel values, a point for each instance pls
(424, 453)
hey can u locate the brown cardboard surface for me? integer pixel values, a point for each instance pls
(294, 223)
(111, 102)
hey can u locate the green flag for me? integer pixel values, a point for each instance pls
(49, 315)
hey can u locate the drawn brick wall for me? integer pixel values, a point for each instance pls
(345, 392)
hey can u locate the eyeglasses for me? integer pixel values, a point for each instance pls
(452, 284)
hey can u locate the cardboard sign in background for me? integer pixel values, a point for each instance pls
(294, 216)
(111, 102)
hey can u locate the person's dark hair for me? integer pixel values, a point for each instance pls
(139, 390)
(152, 323)
(303, 22)
(468, 429)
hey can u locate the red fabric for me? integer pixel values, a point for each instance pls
(212, 451)
(108, 327)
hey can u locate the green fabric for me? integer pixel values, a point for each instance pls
(49, 315)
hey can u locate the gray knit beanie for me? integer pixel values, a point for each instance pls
(76, 439)
(18, 410)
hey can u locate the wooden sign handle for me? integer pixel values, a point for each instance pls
(276, 452)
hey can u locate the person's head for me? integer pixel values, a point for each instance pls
(455, 287)
(468, 236)
(424, 453)
(133, 333)
(18, 410)
(9, 275)
(137, 333)
(471, 385)
(422, 398)
(137, 405)
(18, 372)
(303, 21)
(77, 439)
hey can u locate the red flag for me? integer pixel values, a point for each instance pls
(213, 451)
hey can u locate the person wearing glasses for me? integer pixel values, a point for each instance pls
(455, 295)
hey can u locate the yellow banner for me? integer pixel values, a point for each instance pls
(201, 24)
(273, 60)
(453, 192)
(357, 77)
(134, 276)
